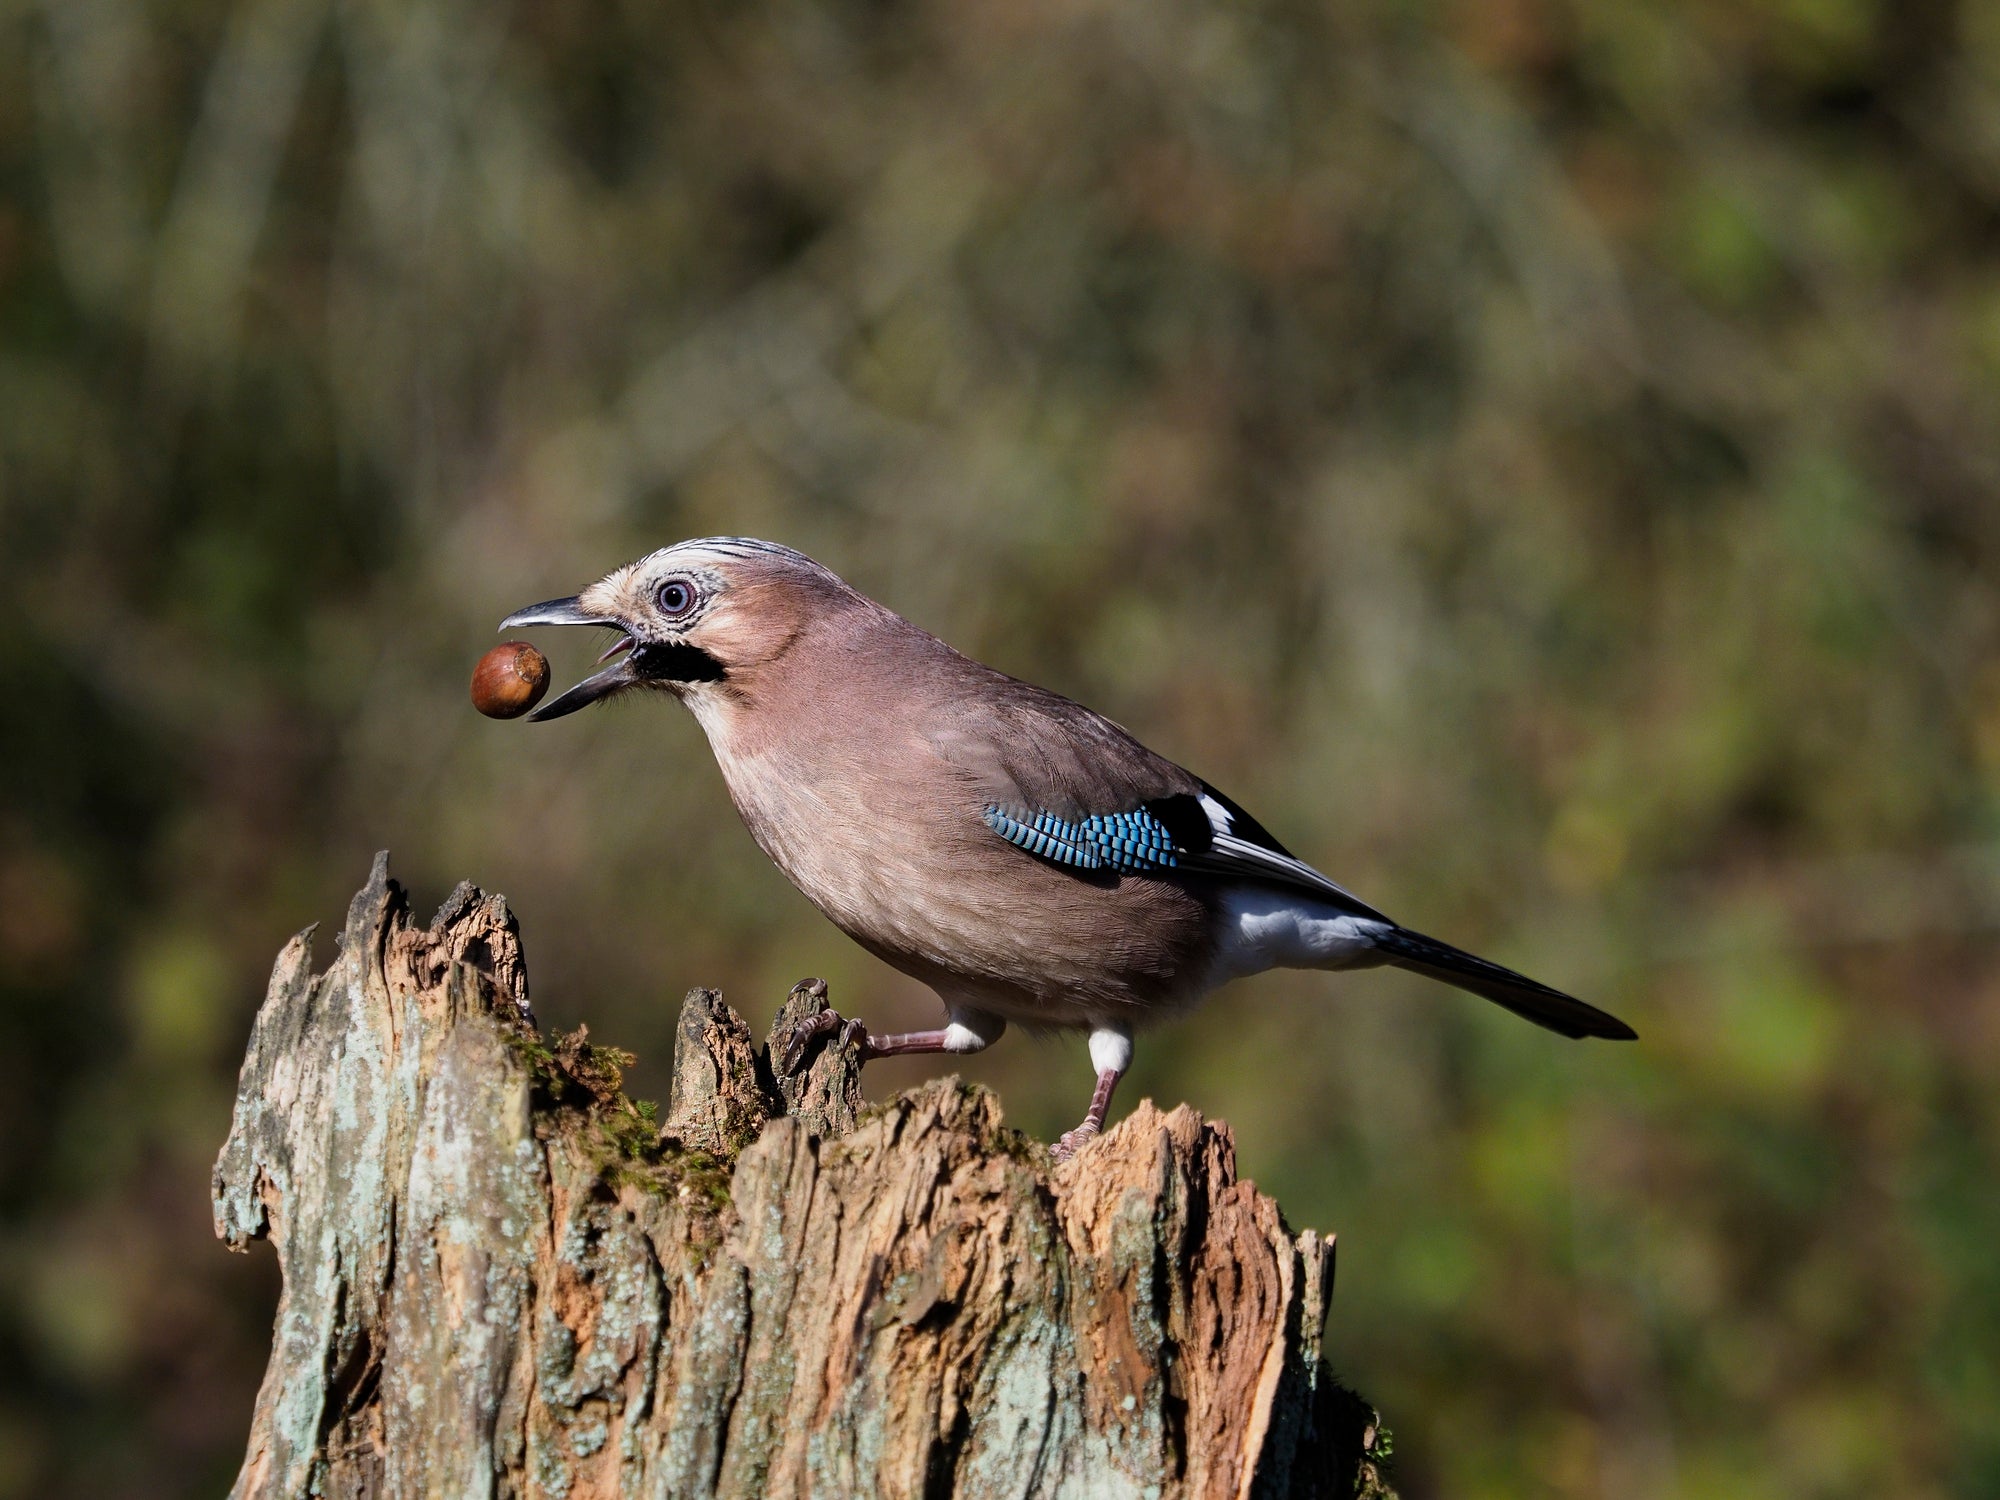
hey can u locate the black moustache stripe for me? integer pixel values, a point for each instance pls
(677, 662)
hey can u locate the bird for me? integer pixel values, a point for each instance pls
(1023, 856)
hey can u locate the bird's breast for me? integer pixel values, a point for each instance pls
(855, 846)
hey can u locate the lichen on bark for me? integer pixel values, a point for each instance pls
(502, 1276)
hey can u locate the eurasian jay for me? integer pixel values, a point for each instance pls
(1024, 857)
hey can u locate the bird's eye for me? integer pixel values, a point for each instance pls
(676, 598)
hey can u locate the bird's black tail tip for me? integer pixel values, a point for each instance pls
(1525, 997)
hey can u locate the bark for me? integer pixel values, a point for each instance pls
(504, 1277)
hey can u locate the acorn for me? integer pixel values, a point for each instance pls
(509, 680)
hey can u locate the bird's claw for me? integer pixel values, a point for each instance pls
(1075, 1140)
(810, 1030)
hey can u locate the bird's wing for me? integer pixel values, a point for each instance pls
(1071, 787)
(1239, 845)
(1028, 750)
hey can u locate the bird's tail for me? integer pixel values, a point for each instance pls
(1520, 994)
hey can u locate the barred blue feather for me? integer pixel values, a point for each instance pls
(1129, 842)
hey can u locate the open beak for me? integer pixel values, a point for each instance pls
(619, 675)
(552, 612)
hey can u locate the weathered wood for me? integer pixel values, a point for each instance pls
(503, 1277)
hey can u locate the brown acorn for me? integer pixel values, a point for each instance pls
(509, 680)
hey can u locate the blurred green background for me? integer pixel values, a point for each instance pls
(1540, 457)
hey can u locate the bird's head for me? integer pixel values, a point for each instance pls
(694, 617)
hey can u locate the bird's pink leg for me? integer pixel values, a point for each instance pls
(973, 1033)
(905, 1041)
(1075, 1140)
(1111, 1052)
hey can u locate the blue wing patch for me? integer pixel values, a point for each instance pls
(1130, 842)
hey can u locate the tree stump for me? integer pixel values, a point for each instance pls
(504, 1277)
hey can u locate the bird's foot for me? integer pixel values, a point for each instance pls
(825, 1023)
(1075, 1140)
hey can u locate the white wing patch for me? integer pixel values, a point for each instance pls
(1218, 816)
(1232, 854)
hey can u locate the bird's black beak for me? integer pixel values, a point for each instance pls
(552, 612)
(614, 678)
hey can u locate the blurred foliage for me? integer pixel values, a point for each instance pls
(1540, 457)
